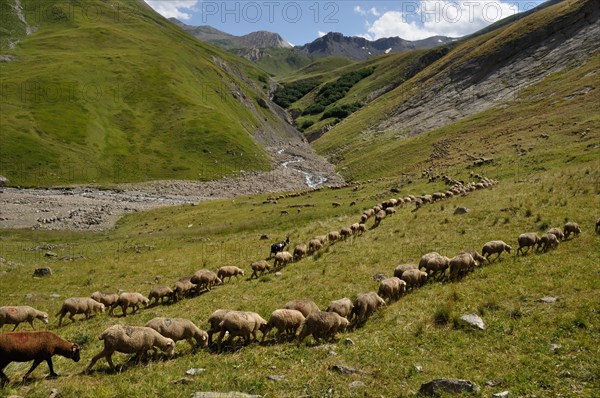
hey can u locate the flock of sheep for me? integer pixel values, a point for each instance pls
(297, 319)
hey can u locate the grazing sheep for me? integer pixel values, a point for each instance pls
(361, 228)
(390, 211)
(79, 305)
(434, 264)
(282, 259)
(279, 246)
(571, 228)
(597, 229)
(527, 240)
(36, 347)
(547, 241)
(228, 271)
(306, 307)
(365, 305)
(379, 216)
(133, 300)
(160, 292)
(314, 245)
(179, 329)
(355, 227)
(402, 268)
(414, 278)
(363, 218)
(286, 321)
(205, 279)
(183, 287)
(495, 247)
(333, 236)
(241, 323)
(343, 307)
(259, 267)
(14, 315)
(345, 233)
(108, 299)
(129, 340)
(369, 213)
(321, 238)
(557, 232)
(214, 320)
(299, 252)
(460, 265)
(391, 288)
(323, 325)
(479, 259)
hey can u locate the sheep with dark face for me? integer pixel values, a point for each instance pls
(527, 240)
(571, 228)
(14, 315)
(36, 347)
(279, 246)
(495, 247)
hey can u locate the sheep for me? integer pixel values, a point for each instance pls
(460, 265)
(205, 279)
(183, 287)
(333, 236)
(242, 324)
(34, 346)
(133, 300)
(402, 268)
(414, 278)
(321, 324)
(279, 246)
(259, 266)
(214, 320)
(597, 229)
(434, 264)
(365, 305)
(391, 288)
(369, 213)
(527, 240)
(299, 252)
(14, 315)
(379, 216)
(390, 211)
(547, 241)
(286, 321)
(321, 238)
(557, 232)
(314, 245)
(345, 233)
(160, 292)
(343, 307)
(362, 228)
(228, 271)
(363, 218)
(131, 339)
(108, 299)
(306, 307)
(179, 329)
(495, 247)
(479, 259)
(355, 227)
(282, 259)
(571, 228)
(79, 305)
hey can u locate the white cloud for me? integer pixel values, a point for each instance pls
(321, 34)
(358, 10)
(372, 11)
(173, 8)
(440, 17)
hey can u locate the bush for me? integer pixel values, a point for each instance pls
(306, 124)
(292, 92)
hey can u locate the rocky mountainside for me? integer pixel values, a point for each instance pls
(357, 48)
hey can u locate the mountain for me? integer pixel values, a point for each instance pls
(125, 96)
(357, 48)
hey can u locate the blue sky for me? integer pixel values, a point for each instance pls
(300, 22)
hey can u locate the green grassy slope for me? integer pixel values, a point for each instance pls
(123, 95)
(549, 106)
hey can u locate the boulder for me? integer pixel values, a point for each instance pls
(461, 210)
(41, 272)
(434, 387)
(472, 320)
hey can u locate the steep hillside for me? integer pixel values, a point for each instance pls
(125, 96)
(478, 83)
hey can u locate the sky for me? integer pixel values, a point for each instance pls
(302, 21)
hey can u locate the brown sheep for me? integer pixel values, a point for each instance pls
(571, 228)
(36, 347)
(259, 267)
(527, 240)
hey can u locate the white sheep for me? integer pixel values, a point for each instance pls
(214, 321)
(205, 279)
(345, 233)
(365, 305)
(285, 321)
(179, 329)
(391, 288)
(110, 300)
(14, 315)
(390, 211)
(306, 307)
(160, 292)
(414, 278)
(79, 305)
(399, 270)
(183, 287)
(315, 245)
(557, 232)
(355, 227)
(343, 307)
(282, 259)
(300, 251)
(322, 325)
(129, 340)
(259, 267)
(333, 236)
(460, 265)
(434, 264)
(321, 238)
(133, 300)
(571, 228)
(479, 259)
(227, 271)
(241, 323)
(547, 241)
(527, 240)
(495, 247)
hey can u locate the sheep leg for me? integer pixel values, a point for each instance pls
(101, 354)
(72, 316)
(52, 373)
(35, 364)
(3, 378)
